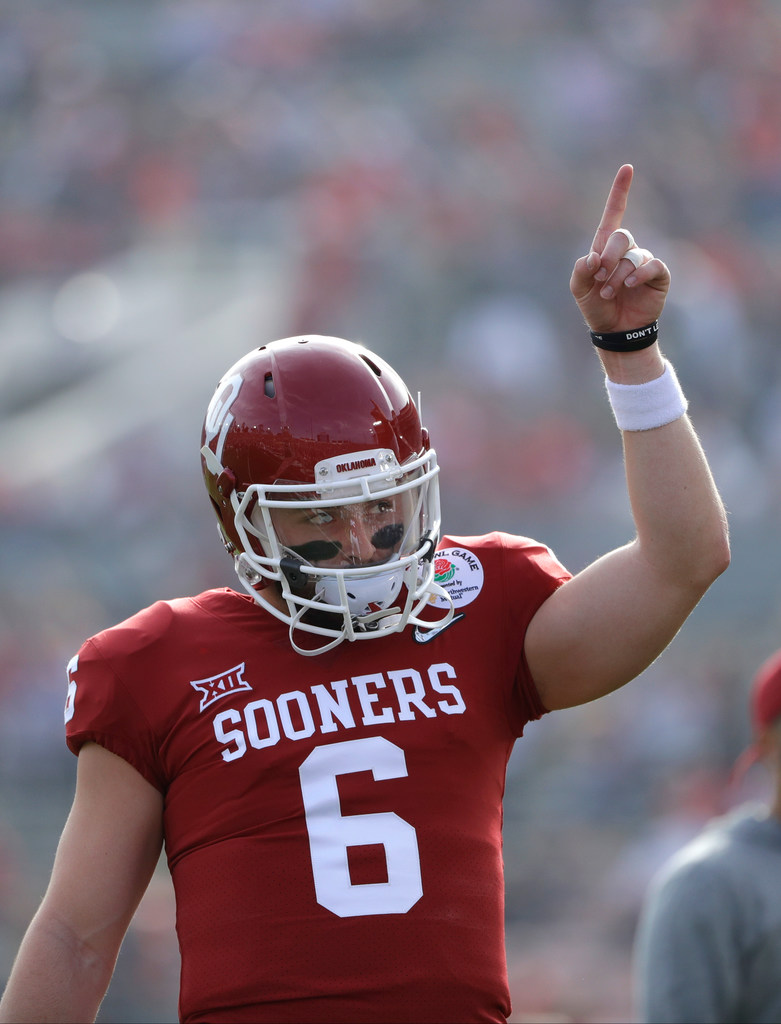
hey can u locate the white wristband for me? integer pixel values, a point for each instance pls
(649, 405)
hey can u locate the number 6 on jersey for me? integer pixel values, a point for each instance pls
(331, 832)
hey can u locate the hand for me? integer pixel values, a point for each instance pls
(612, 294)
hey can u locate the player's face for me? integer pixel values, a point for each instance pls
(367, 533)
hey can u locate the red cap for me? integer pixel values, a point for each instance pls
(765, 705)
(766, 693)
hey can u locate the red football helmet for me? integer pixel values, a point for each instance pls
(325, 486)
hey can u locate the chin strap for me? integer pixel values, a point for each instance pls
(369, 623)
(309, 652)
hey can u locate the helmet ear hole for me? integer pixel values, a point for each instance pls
(269, 390)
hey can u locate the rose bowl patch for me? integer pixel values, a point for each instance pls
(460, 573)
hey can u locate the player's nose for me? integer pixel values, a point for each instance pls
(361, 546)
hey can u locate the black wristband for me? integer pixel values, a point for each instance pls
(627, 341)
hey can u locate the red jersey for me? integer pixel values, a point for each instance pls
(332, 823)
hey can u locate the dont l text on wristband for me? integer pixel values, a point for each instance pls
(649, 405)
(627, 341)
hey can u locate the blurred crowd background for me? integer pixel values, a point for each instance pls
(181, 181)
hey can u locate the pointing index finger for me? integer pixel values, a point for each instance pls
(615, 207)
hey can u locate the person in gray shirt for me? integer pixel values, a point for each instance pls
(708, 944)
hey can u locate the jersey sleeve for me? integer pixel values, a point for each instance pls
(531, 574)
(100, 708)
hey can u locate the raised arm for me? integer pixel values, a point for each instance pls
(608, 623)
(107, 853)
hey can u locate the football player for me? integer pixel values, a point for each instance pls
(323, 751)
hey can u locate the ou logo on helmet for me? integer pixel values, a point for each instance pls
(218, 417)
